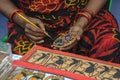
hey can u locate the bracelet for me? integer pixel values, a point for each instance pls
(88, 17)
(88, 11)
(13, 13)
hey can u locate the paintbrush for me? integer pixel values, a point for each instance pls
(32, 24)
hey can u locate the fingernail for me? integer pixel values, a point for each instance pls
(54, 48)
(60, 49)
(78, 38)
(42, 40)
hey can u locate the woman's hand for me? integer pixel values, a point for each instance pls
(76, 30)
(35, 34)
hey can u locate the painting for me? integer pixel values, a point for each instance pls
(72, 63)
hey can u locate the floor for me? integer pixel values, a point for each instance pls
(115, 10)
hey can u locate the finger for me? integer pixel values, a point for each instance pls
(30, 27)
(33, 31)
(39, 23)
(34, 38)
(79, 34)
(55, 48)
(41, 26)
(40, 42)
(27, 31)
(71, 29)
(77, 30)
(78, 38)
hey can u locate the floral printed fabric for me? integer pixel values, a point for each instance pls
(100, 39)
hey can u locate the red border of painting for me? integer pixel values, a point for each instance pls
(66, 54)
(50, 70)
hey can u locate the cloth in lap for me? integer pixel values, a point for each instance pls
(100, 38)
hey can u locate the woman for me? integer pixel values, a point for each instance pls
(95, 28)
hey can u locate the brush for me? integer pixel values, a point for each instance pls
(27, 20)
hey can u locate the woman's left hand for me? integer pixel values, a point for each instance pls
(76, 30)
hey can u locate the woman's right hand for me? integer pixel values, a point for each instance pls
(34, 34)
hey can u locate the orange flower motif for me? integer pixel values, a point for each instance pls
(44, 6)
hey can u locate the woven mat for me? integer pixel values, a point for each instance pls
(3, 56)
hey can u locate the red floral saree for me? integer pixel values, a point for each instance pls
(100, 40)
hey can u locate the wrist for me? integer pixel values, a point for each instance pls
(89, 12)
(18, 20)
(14, 17)
(81, 22)
(85, 16)
(13, 13)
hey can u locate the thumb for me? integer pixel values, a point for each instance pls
(78, 37)
(79, 34)
(42, 27)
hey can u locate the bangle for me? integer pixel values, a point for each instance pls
(13, 13)
(88, 11)
(88, 17)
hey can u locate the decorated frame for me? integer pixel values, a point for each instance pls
(71, 65)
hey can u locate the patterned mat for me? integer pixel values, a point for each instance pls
(71, 63)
